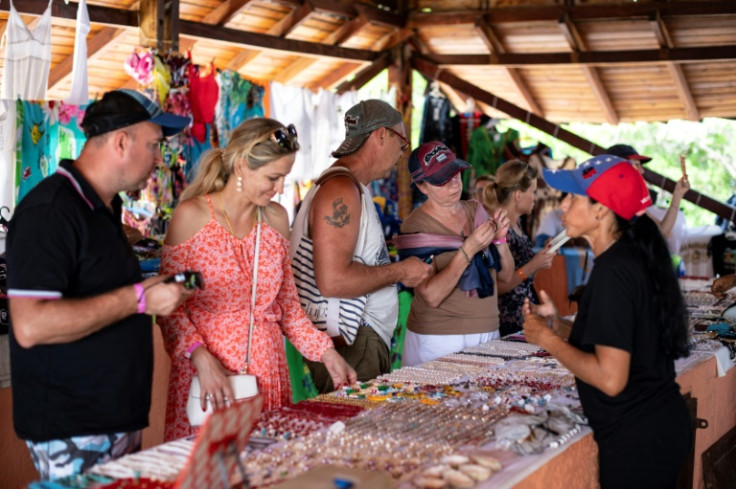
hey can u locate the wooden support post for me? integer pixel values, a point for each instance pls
(159, 24)
(399, 76)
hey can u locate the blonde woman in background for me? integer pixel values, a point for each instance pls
(213, 231)
(514, 190)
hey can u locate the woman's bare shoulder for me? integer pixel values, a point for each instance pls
(277, 217)
(189, 217)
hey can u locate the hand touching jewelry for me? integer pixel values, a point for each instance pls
(502, 222)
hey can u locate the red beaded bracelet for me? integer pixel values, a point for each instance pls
(521, 274)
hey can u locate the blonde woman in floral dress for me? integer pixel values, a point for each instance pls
(213, 231)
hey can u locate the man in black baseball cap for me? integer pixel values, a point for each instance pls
(81, 348)
(672, 218)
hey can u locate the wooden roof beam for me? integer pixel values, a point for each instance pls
(351, 10)
(339, 36)
(700, 53)
(291, 21)
(577, 44)
(367, 73)
(340, 73)
(63, 68)
(225, 12)
(434, 71)
(241, 59)
(428, 69)
(252, 39)
(495, 46)
(496, 15)
(394, 39)
(676, 72)
(126, 18)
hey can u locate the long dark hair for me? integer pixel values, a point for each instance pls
(668, 304)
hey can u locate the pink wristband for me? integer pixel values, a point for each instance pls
(500, 241)
(191, 349)
(141, 295)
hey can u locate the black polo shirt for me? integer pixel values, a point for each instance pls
(63, 242)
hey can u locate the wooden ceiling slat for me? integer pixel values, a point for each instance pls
(578, 44)
(366, 74)
(345, 32)
(678, 76)
(592, 57)
(495, 15)
(495, 46)
(334, 77)
(225, 12)
(291, 21)
(94, 45)
(196, 29)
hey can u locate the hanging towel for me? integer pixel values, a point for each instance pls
(27, 57)
(79, 93)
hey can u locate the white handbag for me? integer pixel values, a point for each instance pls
(243, 385)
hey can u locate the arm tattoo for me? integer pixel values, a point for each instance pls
(340, 215)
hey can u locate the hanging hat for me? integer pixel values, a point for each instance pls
(435, 163)
(123, 108)
(608, 179)
(361, 120)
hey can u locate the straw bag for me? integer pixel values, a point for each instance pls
(243, 385)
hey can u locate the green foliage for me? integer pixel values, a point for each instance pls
(710, 146)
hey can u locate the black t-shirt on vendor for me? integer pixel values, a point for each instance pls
(63, 242)
(615, 310)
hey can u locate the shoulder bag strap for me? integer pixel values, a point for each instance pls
(253, 289)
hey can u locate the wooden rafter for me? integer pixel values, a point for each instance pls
(241, 59)
(95, 46)
(431, 70)
(291, 21)
(700, 53)
(367, 73)
(676, 71)
(63, 68)
(394, 39)
(577, 44)
(335, 76)
(337, 37)
(225, 12)
(494, 15)
(125, 18)
(495, 46)
(351, 10)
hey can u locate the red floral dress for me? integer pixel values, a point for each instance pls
(218, 315)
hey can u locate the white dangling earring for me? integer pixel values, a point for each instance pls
(239, 184)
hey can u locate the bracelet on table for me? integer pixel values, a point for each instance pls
(499, 241)
(140, 297)
(191, 349)
(521, 274)
(466, 254)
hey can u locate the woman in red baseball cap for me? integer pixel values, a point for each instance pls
(630, 327)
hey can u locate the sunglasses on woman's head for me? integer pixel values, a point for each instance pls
(285, 137)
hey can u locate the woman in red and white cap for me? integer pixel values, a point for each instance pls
(630, 327)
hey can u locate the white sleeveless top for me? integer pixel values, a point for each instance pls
(382, 306)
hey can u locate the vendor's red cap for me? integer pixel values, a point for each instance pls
(608, 179)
